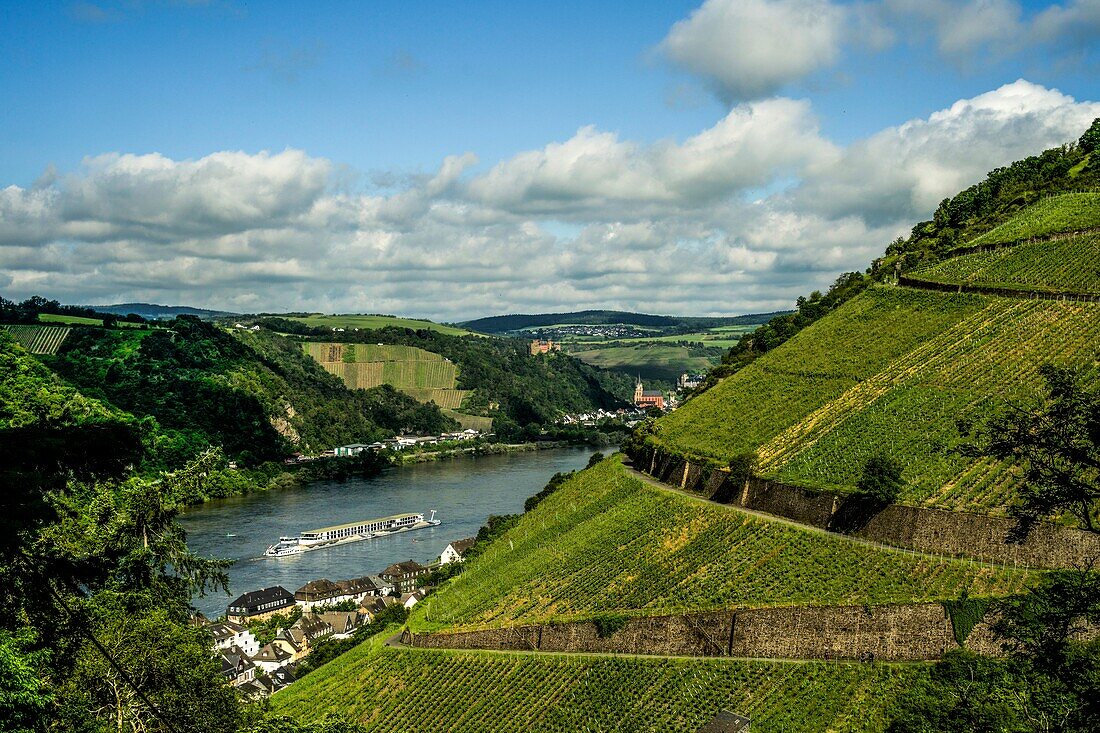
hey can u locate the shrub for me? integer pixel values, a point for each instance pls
(881, 481)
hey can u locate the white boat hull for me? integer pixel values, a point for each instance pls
(308, 546)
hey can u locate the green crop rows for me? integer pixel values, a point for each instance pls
(906, 366)
(819, 364)
(423, 375)
(607, 542)
(483, 692)
(1068, 212)
(1067, 265)
(39, 339)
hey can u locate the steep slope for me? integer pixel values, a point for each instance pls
(607, 543)
(472, 692)
(892, 371)
(1070, 265)
(255, 395)
(500, 378)
(867, 369)
(1069, 212)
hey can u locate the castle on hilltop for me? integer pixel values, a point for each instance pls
(541, 346)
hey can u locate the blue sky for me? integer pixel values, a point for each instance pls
(574, 181)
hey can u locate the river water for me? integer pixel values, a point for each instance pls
(463, 491)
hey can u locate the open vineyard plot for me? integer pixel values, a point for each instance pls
(39, 339)
(606, 542)
(910, 411)
(1068, 212)
(450, 399)
(369, 365)
(480, 692)
(476, 422)
(818, 365)
(894, 372)
(1068, 265)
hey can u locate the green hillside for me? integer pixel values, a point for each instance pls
(255, 395)
(605, 541)
(520, 322)
(373, 322)
(892, 371)
(485, 692)
(1065, 265)
(1065, 212)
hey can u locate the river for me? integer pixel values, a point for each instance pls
(463, 491)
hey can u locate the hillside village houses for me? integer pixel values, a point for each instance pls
(325, 592)
(259, 671)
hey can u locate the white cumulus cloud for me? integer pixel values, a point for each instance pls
(594, 221)
(748, 49)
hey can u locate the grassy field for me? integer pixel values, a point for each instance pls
(39, 339)
(1068, 265)
(1068, 212)
(476, 422)
(350, 321)
(485, 692)
(893, 371)
(82, 321)
(652, 360)
(607, 542)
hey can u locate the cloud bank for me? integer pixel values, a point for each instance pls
(751, 49)
(743, 216)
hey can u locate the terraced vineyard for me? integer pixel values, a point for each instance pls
(607, 542)
(423, 375)
(39, 339)
(1067, 212)
(894, 371)
(484, 692)
(1069, 265)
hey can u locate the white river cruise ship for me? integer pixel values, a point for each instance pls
(350, 532)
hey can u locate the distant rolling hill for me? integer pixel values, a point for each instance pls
(518, 322)
(152, 310)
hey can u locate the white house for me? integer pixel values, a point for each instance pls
(408, 600)
(353, 449)
(228, 634)
(455, 551)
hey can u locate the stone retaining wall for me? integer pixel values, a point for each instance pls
(903, 632)
(934, 531)
(919, 284)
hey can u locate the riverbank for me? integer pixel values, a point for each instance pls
(463, 492)
(480, 449)
(226, 482)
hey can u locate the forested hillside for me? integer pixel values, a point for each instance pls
(511, 323)
(505, 382)
(256, 396)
